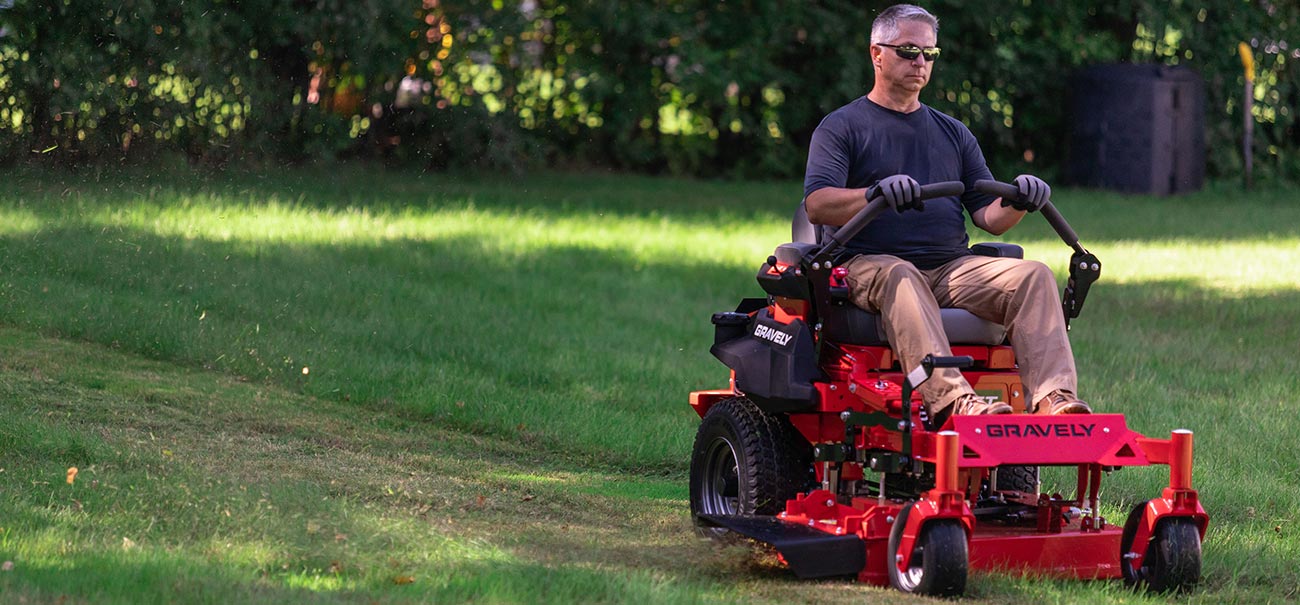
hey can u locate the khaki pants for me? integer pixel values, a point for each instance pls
(1019, 294)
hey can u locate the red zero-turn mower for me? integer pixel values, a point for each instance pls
(821, 449)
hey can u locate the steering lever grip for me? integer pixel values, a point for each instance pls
(1002, 190)
(877, 204)
(944, 189)
(1049, 211)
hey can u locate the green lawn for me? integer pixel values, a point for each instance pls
(345, 384)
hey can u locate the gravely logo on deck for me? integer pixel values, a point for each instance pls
(1056, 429)
(775, 336)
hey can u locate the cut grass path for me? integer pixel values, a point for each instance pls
(195, 487)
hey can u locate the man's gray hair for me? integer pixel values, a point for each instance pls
(885, 27)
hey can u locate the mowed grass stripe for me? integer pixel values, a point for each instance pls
(198, 488)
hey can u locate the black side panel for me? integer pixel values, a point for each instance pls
(998, 249)
(851, 325)
(810, 553)
(730, 325)
(749, 305)
(775, 364)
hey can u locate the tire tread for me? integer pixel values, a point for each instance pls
(777, 457)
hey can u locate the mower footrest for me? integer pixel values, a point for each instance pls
(809, 552)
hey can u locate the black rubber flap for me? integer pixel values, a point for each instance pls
(810, 553)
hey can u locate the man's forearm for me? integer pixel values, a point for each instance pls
(996, 218)
(834, 206)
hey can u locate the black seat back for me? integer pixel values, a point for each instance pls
(802, 230)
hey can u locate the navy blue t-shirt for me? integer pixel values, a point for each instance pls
(861, 143)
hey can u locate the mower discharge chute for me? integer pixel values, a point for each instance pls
(820, 448)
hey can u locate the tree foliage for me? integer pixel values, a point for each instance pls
(720, 87)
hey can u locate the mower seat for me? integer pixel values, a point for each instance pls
(853, 325)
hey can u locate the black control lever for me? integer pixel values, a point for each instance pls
(1085, 268)
(876, 205)
(914, 380)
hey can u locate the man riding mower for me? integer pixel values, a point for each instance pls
(822, 446)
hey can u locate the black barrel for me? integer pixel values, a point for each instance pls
(1137, 129)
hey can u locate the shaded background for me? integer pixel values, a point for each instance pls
(705, 88)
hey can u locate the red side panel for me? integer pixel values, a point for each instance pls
(1070, 554)
(1103, 439)
(786, 310)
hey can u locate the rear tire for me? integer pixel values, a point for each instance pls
(940, 558)
(746, 462)
(1173, 558)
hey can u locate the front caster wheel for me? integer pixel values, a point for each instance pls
(1173, 558)
(940, 558)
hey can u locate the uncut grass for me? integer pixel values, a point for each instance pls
(569, 313)
(521, 321)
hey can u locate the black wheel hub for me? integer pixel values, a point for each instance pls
(720, 489)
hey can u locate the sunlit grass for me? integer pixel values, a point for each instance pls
(1244, 267)
(514, 234)
(301, 286)
(18, 221)
(524, 478)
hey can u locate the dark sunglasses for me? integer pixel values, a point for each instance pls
(910, 52)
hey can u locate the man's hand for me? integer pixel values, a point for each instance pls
(900, 191)
(1034, 192)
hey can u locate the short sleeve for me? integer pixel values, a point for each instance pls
(828, 157)
(974, 168)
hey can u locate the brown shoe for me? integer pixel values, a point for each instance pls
(974, 405)
(969, 404)
(1062, 402)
